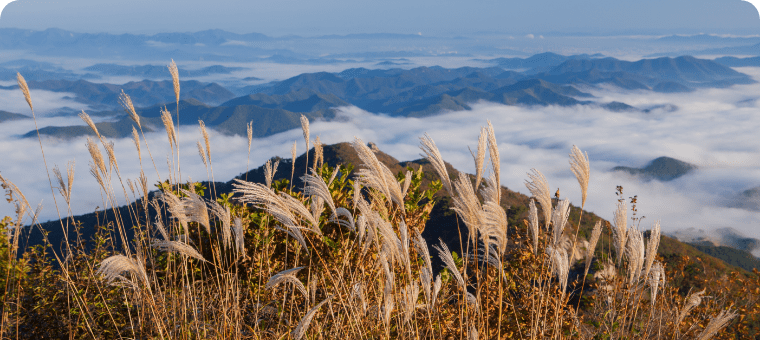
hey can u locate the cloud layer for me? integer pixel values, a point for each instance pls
(715, 129)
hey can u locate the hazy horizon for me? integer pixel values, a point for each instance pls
(428, 17)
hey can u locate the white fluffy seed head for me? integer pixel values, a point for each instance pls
(652, 245)
(620, 231)
(136, 139)
(579, 164)
(250, 135)
(434, 157)
(595, 233)
(539, 188)
(559, 219)
(533, 224)
(25, 89)
(166, 118)
(175, 78)
(86, 118)
(126, 103)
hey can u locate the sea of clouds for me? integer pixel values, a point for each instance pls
(715, 129)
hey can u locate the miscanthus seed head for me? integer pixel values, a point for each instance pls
(539, 188)
(580, 166)
(126, 103)
(25, 89)
(175, 78)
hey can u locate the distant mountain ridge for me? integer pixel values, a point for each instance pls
(8, 116)
(662, 168)
(104, 96)
(156, 71)
(416, 92)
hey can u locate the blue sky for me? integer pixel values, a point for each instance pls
(430, 17)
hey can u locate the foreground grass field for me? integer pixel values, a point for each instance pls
(341, 256)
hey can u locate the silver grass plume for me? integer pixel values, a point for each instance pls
(282, 207)
(175, 78)
(409, 295)
(491, 192)
(269, 170)
(635, 254)
(595, 233)
(494, 228)
(305, 129)
(357, 195)
(480, 156)
(404, 231)
(250, 134)
(293, 161)
(64, 187)
(144, 186)
(111, 155)
(206, 140)
(448, 260)
(202, 153)
(436, 288)
(96, 173)
(333, 175)
(652, 245)
(161, 229)
(126, 103)
(195, 209)
(692, 301)
(407, 182)
(376, 175)
(434, 157)
(136, 139)
(539, 188)
(426, 271)
(580, 166)
(112, 267)
(178, 247)
(239, 233)
(533, 224)
(493, 151)
(166, 118)
(97, 156)
(313, 290)
(358, 293)
(559, 265)
(23, 204)
(656, 279)
(223, 214)
(471, 299)
(175, 206)
(25, 89)
(288, 275)
(388, 303)
(316, 187)
(86, 118)
(466, 204)
(559, 219)
(391, 242)
(473, 333)
(318, 154)
(716, 324)
(620, 231)
(348, 223)
(303, 325)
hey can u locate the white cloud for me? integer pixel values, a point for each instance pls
(45, 102)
